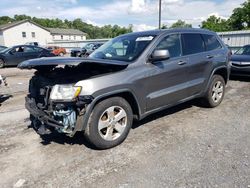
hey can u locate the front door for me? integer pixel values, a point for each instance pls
(15, 55)
(167, 81)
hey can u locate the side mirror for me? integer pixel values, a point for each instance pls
(158, 55)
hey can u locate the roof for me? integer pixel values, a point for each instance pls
(162, 31)
(65, 31)
(13, 24)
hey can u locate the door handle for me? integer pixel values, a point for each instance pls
(210, 56)
(182, 62)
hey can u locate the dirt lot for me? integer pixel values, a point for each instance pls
(185, 146)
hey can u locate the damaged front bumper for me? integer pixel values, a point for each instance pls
(48, 120)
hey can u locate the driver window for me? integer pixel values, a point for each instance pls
(19, 49)
(172, 44)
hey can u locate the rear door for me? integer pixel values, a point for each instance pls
(30, 52)
(199, 61)
(167, 80)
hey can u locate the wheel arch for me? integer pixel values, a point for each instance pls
(223, 71)
(125, 94)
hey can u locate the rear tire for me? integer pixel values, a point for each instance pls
(215, 92)
(1, 63)
(109, 123)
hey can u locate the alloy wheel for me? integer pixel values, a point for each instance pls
(112, 123)
(217, 91)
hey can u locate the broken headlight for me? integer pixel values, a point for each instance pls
(65, 92)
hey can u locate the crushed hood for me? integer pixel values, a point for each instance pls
(55, 61)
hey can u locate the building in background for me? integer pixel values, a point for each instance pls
(59, 34)
(235, 39)
(26, 31)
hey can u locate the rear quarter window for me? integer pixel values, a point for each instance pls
(192, 43)
(36, 49)
(211, 42)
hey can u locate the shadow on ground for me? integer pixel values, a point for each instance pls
(4, 98)
(167, 112)
(79, 137)
(241, 78)
(63, 139)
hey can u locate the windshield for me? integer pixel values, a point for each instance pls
(124, 48)
(243, 51)
(5, 50)
(2, 48)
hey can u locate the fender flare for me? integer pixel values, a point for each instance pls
(81, 126)
(213, 73)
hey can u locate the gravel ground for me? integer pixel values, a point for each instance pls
(185, 146)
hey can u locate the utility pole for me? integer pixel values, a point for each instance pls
(159, 14)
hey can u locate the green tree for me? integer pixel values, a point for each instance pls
(180, 24)
(216, 24)
(5, 20)
(240, 19)
(21, 17)
(164, 26)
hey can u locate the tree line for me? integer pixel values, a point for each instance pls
(93, 32)
(239, 20)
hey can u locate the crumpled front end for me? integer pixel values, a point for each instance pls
(64, 117)
(55, 101)
(51, 110)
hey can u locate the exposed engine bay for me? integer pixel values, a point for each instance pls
(61, 115)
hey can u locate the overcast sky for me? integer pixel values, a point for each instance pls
(143, 14)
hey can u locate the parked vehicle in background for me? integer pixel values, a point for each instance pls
(58, 51)
(240, 61)
(2, 48)
(16, 54)
(86, 50)
(32, 43)
(132, 75)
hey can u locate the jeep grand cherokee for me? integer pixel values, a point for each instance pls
(131, 76)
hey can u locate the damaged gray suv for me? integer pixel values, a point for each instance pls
(131, 76)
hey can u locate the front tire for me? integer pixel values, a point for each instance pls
(1, 63)
(215, 92)
(109, 123)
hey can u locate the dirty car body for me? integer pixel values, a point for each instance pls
(135, 67)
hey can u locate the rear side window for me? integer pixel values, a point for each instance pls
(38, 49)
(192, 43)
(211, 42)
